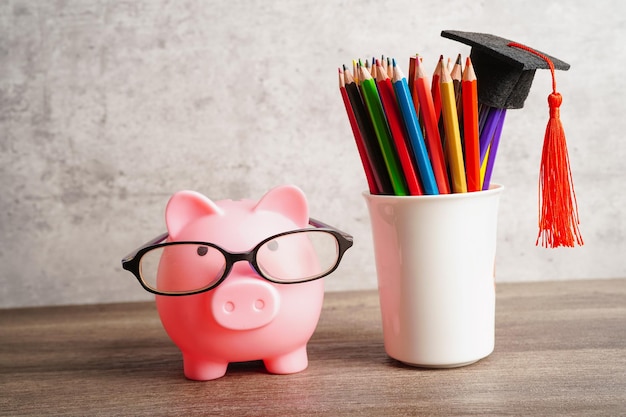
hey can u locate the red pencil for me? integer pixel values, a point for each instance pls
(395, 123)
(411, 76)
(431, 125)
(435, 89)
(369, 174)
(470, 127)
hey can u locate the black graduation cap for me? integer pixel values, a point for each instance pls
(505, 73)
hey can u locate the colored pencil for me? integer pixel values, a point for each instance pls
(394, 121)
(411, 76)
(358, 138)
(431, 125)
(482, 115)
(453, 148)
(379, 170)
(457, 78)
(483, 168)
(435, 90)
(493, 149)
(413, 91)
(414, 132)
(377, 114)
(457, 81)
(359, 65)
(471, 137)
(486, 133)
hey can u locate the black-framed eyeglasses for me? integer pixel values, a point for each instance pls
(193, 267)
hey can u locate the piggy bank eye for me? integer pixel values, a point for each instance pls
(272, 245)
(202, 250)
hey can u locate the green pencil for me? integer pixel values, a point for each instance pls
(377, 114)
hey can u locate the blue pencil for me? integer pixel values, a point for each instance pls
(418, 146)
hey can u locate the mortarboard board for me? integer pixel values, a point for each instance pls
(505, 72)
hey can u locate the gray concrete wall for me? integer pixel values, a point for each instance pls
(109, 107)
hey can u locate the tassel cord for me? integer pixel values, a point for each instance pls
(558, 208)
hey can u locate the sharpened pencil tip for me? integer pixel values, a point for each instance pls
(393, 61)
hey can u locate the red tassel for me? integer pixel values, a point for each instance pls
(558, 209)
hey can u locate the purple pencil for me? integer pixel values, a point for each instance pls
(488, 130)
(483, 111)
(493, 149)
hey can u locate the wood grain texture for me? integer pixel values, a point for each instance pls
(560, 350)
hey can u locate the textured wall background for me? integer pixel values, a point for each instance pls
(109, 107)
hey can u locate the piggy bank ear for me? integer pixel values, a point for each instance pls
(287, 200)
(186, 206)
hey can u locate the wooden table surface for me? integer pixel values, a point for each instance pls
(560, 350)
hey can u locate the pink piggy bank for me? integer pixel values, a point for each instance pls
(239, 280)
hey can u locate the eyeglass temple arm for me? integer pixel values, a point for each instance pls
(151, 242)
(319, 224)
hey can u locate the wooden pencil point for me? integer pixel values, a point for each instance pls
(342, 82)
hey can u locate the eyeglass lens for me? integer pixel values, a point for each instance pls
(180, 268)
(298, 256)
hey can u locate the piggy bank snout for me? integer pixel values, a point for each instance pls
(245, 304)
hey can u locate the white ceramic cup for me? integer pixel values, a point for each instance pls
(435, 261)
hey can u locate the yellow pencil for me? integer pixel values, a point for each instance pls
(454, 151)
(483, 168)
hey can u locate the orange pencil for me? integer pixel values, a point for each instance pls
(453, 149)
(431, 125)
(470, 127)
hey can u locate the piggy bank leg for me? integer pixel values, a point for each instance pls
(289, 363)
(201, 369)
